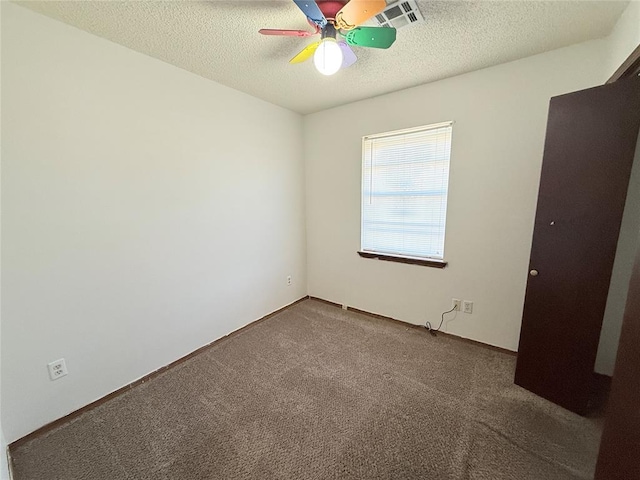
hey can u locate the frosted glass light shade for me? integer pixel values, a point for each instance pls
(328, 57)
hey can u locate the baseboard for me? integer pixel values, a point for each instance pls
(603, 377)
(76, 413)
(420, 327)
(600, 389)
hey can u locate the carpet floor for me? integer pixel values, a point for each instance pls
(316, 392)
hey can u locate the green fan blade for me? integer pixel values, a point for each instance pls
(376, 37)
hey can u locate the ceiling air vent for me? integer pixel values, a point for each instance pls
(399, 14)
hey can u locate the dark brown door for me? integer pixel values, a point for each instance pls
(589, 149)
(619, 457)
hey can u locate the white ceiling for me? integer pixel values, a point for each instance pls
(219, 40)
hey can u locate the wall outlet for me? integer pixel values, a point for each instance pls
(57, 369)
(467, 306)
(456, 304)
(289, 281)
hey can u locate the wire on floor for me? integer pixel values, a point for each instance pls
(433, 331)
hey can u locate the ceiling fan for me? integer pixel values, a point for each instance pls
(338, 23)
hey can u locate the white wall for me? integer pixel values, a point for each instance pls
(145, 211)
(500, 117)
(625, 37)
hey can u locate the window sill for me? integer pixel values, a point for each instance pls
(411, 260)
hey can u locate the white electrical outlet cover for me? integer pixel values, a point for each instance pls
(57, 369)
(467, 306)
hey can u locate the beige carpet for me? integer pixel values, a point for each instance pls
(319, 393)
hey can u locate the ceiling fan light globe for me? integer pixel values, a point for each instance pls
(328, 57)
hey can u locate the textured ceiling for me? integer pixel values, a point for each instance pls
(219, 40)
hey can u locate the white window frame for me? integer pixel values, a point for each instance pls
(436, 260)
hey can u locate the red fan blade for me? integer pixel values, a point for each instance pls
(286, 33)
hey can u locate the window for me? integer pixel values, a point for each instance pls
(405, 177)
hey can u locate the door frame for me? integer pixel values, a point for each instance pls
(630, 67)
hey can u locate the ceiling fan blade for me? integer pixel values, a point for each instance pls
(286, 33)
(306, 53)
(376, 37)
(348, 55)
(312, 11)
(357, 12)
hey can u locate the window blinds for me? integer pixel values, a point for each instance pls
(405, 176)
